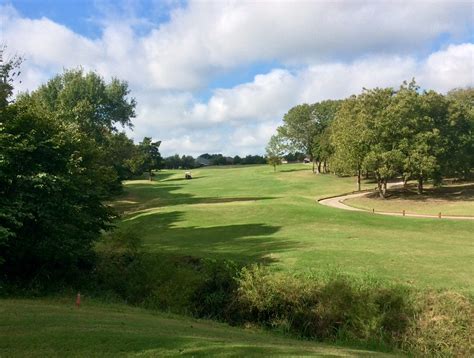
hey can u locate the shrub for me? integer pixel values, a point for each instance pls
(442, 326)
(334, 307)
(181, 284)
(215, 296)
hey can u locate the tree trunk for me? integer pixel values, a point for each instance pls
(319, 167)
(150, 175)
(367, 174)
(384, 188)
(358, 180)
(379, 188)
(405, 181)
(420, 185)
(325, 168)
(274, 168)
(312, 160)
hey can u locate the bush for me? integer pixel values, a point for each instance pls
(332, 308)
(181, 284)
(442, 326)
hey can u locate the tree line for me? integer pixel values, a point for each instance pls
(62, 157)
(189, 162)
(384, 133)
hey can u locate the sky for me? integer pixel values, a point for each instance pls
(218, 76)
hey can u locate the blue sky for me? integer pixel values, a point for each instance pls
(218, 76)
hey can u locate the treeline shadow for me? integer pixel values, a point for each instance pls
(452, 193)
(142, 197)
(253, 242)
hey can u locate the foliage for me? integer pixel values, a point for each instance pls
(86, 100)
(9, 70)
(418, 135)
(323, 113)
(341, 308)
(300, 129)
(275, 149)
(188, 162)
(52, 184)
(148, 157)
(182, 284)
(443, 326)
(349, 138)
(331, 307)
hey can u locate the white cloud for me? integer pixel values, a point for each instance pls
(325, 50)
(207, 37)
(453, 67)
(253, 110)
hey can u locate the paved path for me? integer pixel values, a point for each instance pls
(338, 202)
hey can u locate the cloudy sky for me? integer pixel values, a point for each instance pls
(218, 76)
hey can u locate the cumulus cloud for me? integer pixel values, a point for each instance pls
(324, 50)
(253, 110)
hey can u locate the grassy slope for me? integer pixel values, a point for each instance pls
(254, 215)
(39, 328)
(450, 200)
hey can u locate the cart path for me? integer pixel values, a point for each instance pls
(338, 202)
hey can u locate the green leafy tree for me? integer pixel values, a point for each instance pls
(98, 109)
(276, 149)
(149, 156)
(188, 162)
(121, 153)
(349, 139)
(420, 118)
(300, 128)
(458, 160)
(87, 100)
(52, 189)
(323, 114)
(382, 134)
(9, 70)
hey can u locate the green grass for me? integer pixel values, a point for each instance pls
(447, 200)
(45, 328)
(252, 214)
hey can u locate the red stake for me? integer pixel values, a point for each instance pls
(78, 300)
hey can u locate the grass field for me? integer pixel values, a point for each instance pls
(45, 328)
(448, 200)
(252, 214)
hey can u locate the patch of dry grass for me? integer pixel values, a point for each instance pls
(447, 200)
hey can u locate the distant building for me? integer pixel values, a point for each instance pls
(203, 162)
(284, 161)
(306, 160)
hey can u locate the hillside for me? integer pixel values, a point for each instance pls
(48, 328)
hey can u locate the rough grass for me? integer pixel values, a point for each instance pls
(55, 328)
(251, 214)
(448, 200)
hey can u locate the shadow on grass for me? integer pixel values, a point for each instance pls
(452, 193)
(142, 197)
(239, 242)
